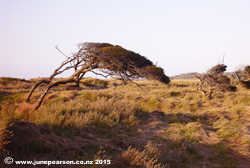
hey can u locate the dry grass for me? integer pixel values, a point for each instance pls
(153, 125)
(133, 157)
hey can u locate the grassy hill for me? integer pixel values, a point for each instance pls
(153, 125)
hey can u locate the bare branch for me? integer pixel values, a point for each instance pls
(100, 74)
(61, 52)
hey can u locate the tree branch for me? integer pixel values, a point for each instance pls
(61, 52)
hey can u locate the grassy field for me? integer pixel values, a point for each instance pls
(151, 126)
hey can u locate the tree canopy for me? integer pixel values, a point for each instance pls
(117, 61)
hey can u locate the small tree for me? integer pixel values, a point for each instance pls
(214, 79)
(242, 76)
(108, 59)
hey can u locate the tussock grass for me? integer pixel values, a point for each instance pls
(153, 125)
(133, 157)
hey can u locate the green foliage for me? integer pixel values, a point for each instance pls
(93, 95)
(126, 64)
(13, 98)
(127, 57)
(175, 94)
(93, 82)
(156, 73)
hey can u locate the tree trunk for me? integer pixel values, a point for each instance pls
(210, 93)
(27, 106)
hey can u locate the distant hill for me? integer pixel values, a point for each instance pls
(191, 75)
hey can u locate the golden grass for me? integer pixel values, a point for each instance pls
(153, 125)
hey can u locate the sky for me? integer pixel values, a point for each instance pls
(178, 35)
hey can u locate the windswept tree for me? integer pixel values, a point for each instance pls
(214, 79)
(242, 76)
(107, 59)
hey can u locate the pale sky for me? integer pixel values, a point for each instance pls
(179, 35)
